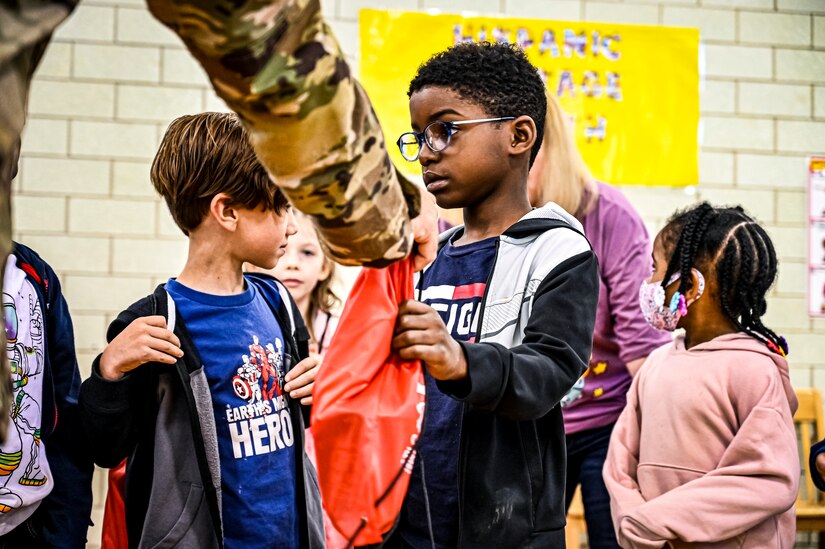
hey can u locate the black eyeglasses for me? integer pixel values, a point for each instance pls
(436, 135)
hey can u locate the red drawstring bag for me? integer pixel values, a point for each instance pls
(367, 409)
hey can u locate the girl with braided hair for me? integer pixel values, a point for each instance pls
(705, 452)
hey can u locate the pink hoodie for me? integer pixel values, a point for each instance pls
(704, 454)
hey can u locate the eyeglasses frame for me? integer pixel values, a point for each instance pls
(421, 137)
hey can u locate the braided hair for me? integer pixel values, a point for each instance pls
(744, 257)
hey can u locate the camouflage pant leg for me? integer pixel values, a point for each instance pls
(277, 64)
(25, 28)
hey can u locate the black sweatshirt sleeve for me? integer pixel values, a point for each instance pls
(113, 412)
(526, 381)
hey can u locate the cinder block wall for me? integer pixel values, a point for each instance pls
(113, 78)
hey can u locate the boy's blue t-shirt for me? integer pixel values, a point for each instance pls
(454, 286)
(241, 346)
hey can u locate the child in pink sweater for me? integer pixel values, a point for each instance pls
(704, 454)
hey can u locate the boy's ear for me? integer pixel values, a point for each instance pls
(223, 212)
(524, 135)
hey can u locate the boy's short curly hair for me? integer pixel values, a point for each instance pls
(498, 77)
(204, 154)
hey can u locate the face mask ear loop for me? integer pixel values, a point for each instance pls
(677, 302)
(700, 290)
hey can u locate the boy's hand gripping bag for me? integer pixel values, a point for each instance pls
(368, 406)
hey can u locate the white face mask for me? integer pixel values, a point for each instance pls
(652, 302)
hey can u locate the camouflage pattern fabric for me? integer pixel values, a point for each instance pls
(278, 65)
(25, 29)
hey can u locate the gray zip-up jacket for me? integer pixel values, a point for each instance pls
(161, 418)
(534, 341)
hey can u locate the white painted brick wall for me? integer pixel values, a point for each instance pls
(131, 179)
(713, 24)
(641, 14)
(739, 61)
(156, 103)
(819, 32)
(560, 10)
(791, 274)
(113, 78)
(775, 99)
(117, 217)
(137, 26)
(57, 62)
(738, 133)
(800, 65)
(72, 99)
(759, 203)
(118, 63)
(774, 28)
(63, 175)
(179, 68)
(113, 139)
(89, 24)
(791, 207)
(761, 4)
(716, 168)
(763, 170)
(814, 6)
(819, 102)
(796, 136)
(101, 293)
(69, 253)
(39, 213)
(453, 6)
(717, 96)
(45, 136)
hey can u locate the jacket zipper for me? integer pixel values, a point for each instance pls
(462, 454)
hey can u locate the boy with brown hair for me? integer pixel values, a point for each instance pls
(202, 383)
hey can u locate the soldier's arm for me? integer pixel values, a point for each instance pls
(278, 65)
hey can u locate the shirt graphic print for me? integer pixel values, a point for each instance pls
(25, 477)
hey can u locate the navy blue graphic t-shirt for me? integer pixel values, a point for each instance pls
(454, 286)
(242, 348)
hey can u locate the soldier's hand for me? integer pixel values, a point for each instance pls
(420, 334)
(425, 232)
(145, 340)
(300, 380)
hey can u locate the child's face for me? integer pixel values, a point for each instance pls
(474, 163)
(303, 265)
(262, 235)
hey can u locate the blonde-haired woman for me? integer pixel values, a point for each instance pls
(622, 338)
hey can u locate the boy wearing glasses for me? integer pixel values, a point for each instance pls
(504, 317)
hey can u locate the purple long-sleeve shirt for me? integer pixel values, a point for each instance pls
(622, 245)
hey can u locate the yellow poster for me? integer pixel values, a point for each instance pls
(633, 91)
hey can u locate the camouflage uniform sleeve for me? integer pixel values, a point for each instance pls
(278, 65)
